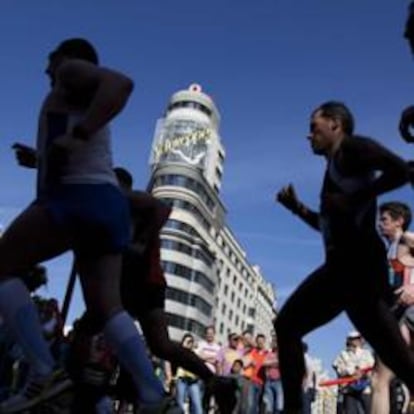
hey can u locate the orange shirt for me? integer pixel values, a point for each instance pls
(253, 362)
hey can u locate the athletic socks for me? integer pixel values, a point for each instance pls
(21, 317)
(122, 334)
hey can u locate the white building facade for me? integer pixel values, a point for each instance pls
(210, 280)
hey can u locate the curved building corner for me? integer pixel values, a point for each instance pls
(210, 281)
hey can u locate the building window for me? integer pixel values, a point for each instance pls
(179, 225)
(188, 274)
(190, 104)
(221, 157)
(201, 254)
(188, 183)
(186, 324)
(191, 208)
(188, 299)
(219, 173)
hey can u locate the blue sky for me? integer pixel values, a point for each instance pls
(266, 64)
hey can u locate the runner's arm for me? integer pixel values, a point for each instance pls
(404, 253)
(310, 217)
(288, 198)
(104, 91)
(367, 154)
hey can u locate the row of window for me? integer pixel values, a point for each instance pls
(230, 314)
(179, 225)
(265, 297)
(189, 299)
(228, 274)
(186, 249)
(188, 183)
(186, 324)
(226, 291)
(224, 307)
(186, 205)
(237, 263)
(189, 274)
(190, 104)
(239, 328)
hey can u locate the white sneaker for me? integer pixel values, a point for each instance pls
(36, 390)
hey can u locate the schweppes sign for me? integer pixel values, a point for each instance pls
(179, 141)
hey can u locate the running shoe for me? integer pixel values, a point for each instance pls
(36, 390)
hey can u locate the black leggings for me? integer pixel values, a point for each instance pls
(358, 287)
(155, 329)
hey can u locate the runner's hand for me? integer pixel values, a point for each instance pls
(406, 123)
(288, 198)
(406, 295)
(26, 156)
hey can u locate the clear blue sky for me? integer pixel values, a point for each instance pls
(266, 64)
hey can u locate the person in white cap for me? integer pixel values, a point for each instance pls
(355, 361)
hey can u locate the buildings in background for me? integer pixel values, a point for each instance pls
(210, 279)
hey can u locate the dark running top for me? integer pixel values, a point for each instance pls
(347, 174)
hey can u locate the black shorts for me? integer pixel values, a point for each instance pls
(138, 295)
(140, 292)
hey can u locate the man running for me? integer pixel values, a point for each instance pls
(143, 288)
(74, 181)
(354, 277)
(394, 220)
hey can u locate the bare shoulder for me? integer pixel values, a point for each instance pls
(408, 239)
(405, 249)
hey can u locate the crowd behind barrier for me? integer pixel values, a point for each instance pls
(251, 361)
